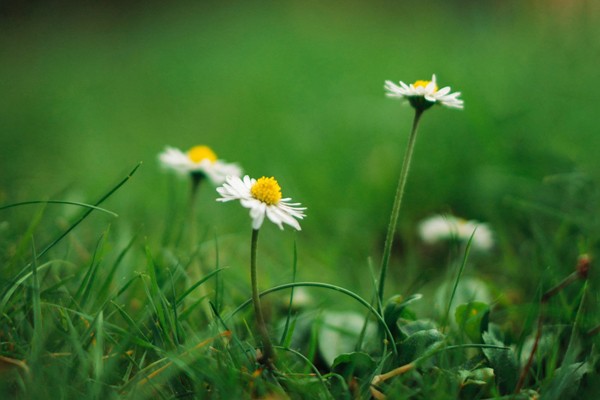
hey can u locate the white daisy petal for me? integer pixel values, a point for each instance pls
(443, 91)
(263, 198)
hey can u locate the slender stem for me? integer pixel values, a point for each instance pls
(389, 238)
(268, 352)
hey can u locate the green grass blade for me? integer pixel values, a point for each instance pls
(102, 293)
(85, 288)
(312, 367)
(89, 211)
(17, 283)
(195, 285)
(218, 281)
(457, 280)
(28, 235)
(36, 345)
(72, 203)
(284, 334)
(98, 355)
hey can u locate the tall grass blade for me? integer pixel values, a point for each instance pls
(85, 288)
(36, 345)
(65, 202)
(102, 293)
(289, 313)
(457, 280)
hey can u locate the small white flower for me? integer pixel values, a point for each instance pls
(424, 94)
(199, 160)
(262, 197)
(446, 227)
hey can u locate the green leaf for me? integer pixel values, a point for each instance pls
(468, 290)
(473, 319)
(566, 380)
(409, 328)
(503, 361)
(353, 364)
(395, 309)
(417, 345)
(476, 383)
(339, 387)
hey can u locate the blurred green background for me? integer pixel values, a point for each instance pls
(294, 89)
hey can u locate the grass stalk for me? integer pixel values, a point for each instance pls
(457, 280)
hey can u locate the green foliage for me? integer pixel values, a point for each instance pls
(504, 363)
(473, 319)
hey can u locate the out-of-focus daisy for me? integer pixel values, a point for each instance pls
(262, 197)
(424, 94)
(199, 161)
(447, 227)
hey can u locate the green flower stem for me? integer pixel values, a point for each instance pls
(268, 353)
(389, 238)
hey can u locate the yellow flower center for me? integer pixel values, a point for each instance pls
(266, 190)
(423, 84)
(199, 153)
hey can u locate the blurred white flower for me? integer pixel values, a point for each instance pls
(424, 94)
(262, 197)
(199, 160)
(301, 300)
(446, 227)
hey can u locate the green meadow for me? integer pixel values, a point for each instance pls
(111, 287)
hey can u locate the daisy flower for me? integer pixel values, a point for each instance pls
(262, 197)
(424, 94)
(446, 227)
(199, 160)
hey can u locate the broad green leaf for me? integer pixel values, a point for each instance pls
(476, 383)
(417, 345)
(473, 319)
(566, 380)
(354, 364)
(469, 290)
(504, 362)
(395, 309)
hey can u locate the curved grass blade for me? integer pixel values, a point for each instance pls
(347, 292)
(71, 203)
(312, 367)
